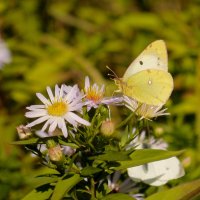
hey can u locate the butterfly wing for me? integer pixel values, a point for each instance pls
(167, 169)
(152, 87)
(149, 173)
(157, 173)
(154, 56)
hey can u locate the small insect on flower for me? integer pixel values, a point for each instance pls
(94, 95)
(58, 110)
(144, 111)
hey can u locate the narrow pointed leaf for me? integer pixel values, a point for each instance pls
(75, 146)
(143, 156)
(112, 156)
(87, 171)
(24, 142)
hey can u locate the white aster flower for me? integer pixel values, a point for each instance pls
(5, 55)
(145, 111)
(158, 172)
(57, 110)
(94, 95)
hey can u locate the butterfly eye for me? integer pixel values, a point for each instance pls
(141, 63)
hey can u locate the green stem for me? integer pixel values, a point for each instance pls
(197, 121)
(93, 195)
(125, 121)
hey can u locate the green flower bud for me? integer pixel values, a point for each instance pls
(107, 127)
(55, 153)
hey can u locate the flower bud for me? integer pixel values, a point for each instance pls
(23, 132)
(107, 127)
(55, 153)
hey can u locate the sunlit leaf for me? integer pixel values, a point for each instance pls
(142, 156)
(113, 156)
(184, 191)
(63, 186)
(118, 196)
(40, 193)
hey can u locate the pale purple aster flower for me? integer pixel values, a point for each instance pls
(158, 172)
(94, 95)
(126, 186)
(143, 142)
(114, 183)
(5, 55)
(78, 95)
(143, 110)
(58, 110)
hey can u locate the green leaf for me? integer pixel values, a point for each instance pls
(87, 171)
(65, 185)
(118, 196)
(39, 181)
(24, 142)
(184, 191)
(113, 156)
(75, 146)
(143, 156)
(40, 193)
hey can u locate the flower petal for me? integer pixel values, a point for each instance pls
(50, 93)
(79, 119)
(43, 99)
(38, 121)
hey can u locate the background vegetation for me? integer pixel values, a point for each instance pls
(58, 41)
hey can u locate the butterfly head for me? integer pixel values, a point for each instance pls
(118, 81)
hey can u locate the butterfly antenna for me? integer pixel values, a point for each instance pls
(113, 75)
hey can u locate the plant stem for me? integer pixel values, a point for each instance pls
(93, 189)
(197, 121)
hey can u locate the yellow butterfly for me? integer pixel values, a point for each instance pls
(147, 79)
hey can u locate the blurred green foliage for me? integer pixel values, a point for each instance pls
(57, 41)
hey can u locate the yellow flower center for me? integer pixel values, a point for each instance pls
(57, 108)
(93, 95)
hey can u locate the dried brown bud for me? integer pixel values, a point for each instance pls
(23, 132)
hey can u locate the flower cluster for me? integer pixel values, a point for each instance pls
(76, 135)
(65, 106)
